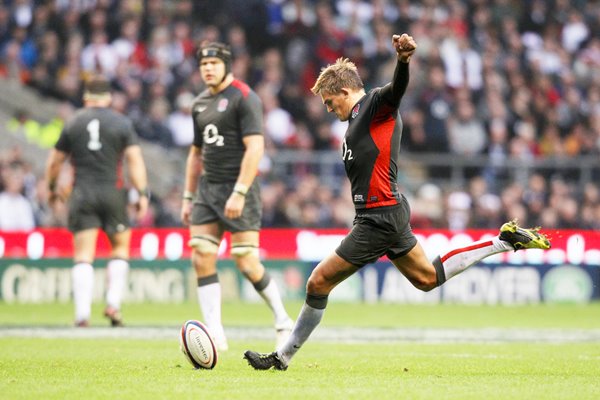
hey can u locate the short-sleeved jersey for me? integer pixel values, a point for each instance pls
(221, 121)
(95, 139)
(370, 152)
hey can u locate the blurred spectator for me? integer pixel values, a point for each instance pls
(435, 103)
(273, 211)
(22, 125)
(16, 212)
(465, 131)
(487, 213)
(462, 63)
(12, 66)
(497, 151)
(535, 197)
(458, 210)
(279, 126)
(428, 207)
(98, 56)
(180, 121)
(50, 132)
(154, 127)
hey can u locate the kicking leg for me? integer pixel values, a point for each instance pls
(328, 274)
(427, 275)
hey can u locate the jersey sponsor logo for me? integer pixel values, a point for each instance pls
(346, 152)
(211, 135)
(200, 108)
(355, 110)
(222, 106)
(359, 198)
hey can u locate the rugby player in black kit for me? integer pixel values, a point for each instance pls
(221, 192)
(96, 140)
(370, 151)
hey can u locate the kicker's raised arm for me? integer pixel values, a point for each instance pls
(405, 46)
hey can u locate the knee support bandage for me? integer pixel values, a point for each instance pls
(204, 244)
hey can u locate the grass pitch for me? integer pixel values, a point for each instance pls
(567, 316)
(101, 368)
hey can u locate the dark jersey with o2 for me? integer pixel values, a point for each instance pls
(95, 139)
(371, 146)
(221, 121)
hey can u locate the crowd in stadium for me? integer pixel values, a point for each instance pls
(504, 78)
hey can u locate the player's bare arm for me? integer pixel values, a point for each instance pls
(255, 145)
(137, 174)
(53, 167)
(193, 169)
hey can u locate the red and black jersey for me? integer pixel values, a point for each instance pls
(221, 121)
(371, 146)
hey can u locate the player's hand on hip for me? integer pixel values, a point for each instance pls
(405, 46)
(234, 206)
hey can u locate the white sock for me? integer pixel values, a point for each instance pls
(209, 298)
(272, 297)
(457, 260)
(116, 275)
(83, 284)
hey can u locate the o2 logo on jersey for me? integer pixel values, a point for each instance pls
(211, 135)
(346, 152)
(93, 128)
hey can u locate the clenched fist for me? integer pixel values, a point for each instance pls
(405, 46)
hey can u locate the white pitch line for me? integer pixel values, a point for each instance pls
(326, 334)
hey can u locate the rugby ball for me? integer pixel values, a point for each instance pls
(196, 344)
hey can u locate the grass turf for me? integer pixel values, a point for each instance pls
(338, 314)
(155, 369)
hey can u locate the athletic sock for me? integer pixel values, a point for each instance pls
(457, 260)
(209, 298)
(83, 285)
(267, 288)
(309, 318)
(116, 274)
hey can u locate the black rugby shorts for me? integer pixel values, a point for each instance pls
(377, 232)
(209, 207)
(98, 207)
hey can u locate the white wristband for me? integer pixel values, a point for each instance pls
(240, 188)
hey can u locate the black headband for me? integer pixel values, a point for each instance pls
(218, 52)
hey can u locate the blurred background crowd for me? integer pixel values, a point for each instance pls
(507, 91)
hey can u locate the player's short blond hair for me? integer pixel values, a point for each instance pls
(334, 77)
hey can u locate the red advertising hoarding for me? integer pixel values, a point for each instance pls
(571, 246)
